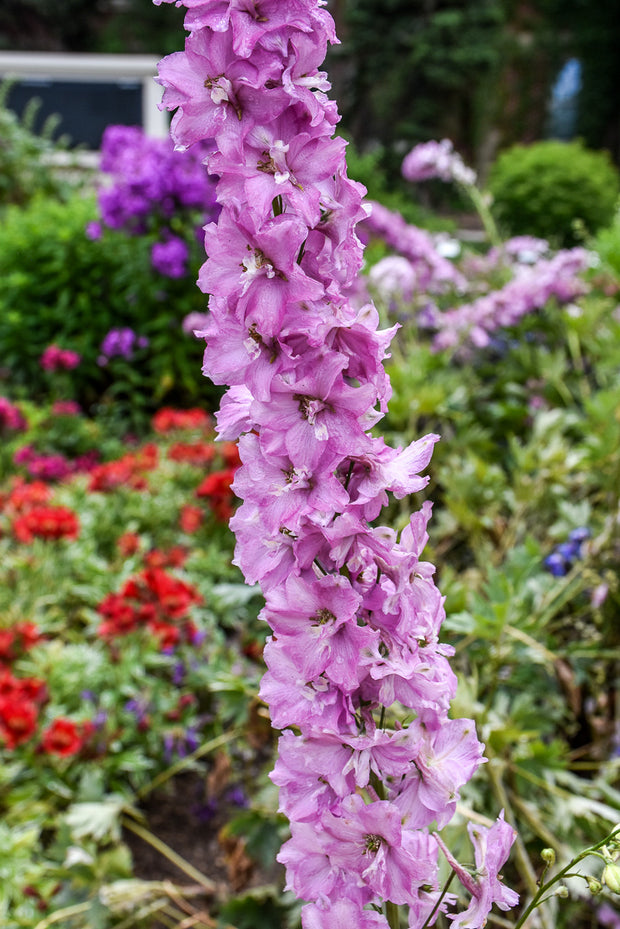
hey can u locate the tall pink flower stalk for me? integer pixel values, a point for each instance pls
(355, 613)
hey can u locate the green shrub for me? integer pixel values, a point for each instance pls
(550, 189)
(607, 244)
(25, 168)
(62, 287)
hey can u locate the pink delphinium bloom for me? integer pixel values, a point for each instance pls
(354, 610)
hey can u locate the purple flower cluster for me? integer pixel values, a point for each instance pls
(148, 177)
(564, 555)
(120, 343)
(150, 183)
(530, 289)
(431, 270)
(354, 611)
(170, 257)
(437, 159)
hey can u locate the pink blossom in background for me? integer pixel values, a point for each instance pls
(55, 358)
(436, 159)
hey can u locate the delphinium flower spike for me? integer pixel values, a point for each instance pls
(354, 611)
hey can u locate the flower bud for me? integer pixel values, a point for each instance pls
(611, 877)
(562, 891)
(548, 856)
(594, 886)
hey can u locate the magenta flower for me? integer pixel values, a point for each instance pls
(55, 358)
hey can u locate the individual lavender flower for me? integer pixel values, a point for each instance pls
(170, 257)
(120, 343)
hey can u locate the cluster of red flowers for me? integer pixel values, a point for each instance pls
(32, 516)
(18, 639)
(21, 699)
(22, 495)
(46, 522)
(152, 599)
(128, 471)
(196, 453)
(169, 420)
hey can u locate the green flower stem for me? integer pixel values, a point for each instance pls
(170, 854)
(484, 213)
(539, 897)
(523, 860)
(441, 896)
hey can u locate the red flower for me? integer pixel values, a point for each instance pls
(167, 634)
(128, 544)
(27, 635)
(46, 522)
(20, 638)
(196, 453)
(191, 518)
(120, 616)
(152, 599)
(18, 720)
(216, 489)
(127, 471)
(7, 641)
(168, 420)
(175, 557)
(62, 737)
(23, 496)
(230, 453)
(22, 688)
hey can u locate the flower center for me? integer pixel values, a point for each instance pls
(323, 616)
(373, 842)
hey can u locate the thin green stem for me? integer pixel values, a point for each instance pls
(170, 854)
(66, 913)
(565, 872)
(483, 211)
(446, 887)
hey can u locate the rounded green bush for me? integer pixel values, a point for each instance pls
(552, 190)
(62, 287)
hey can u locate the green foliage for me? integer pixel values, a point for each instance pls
(61, 287)
(555, 190)
(25, 168)
(607, 245)
(418, 67)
